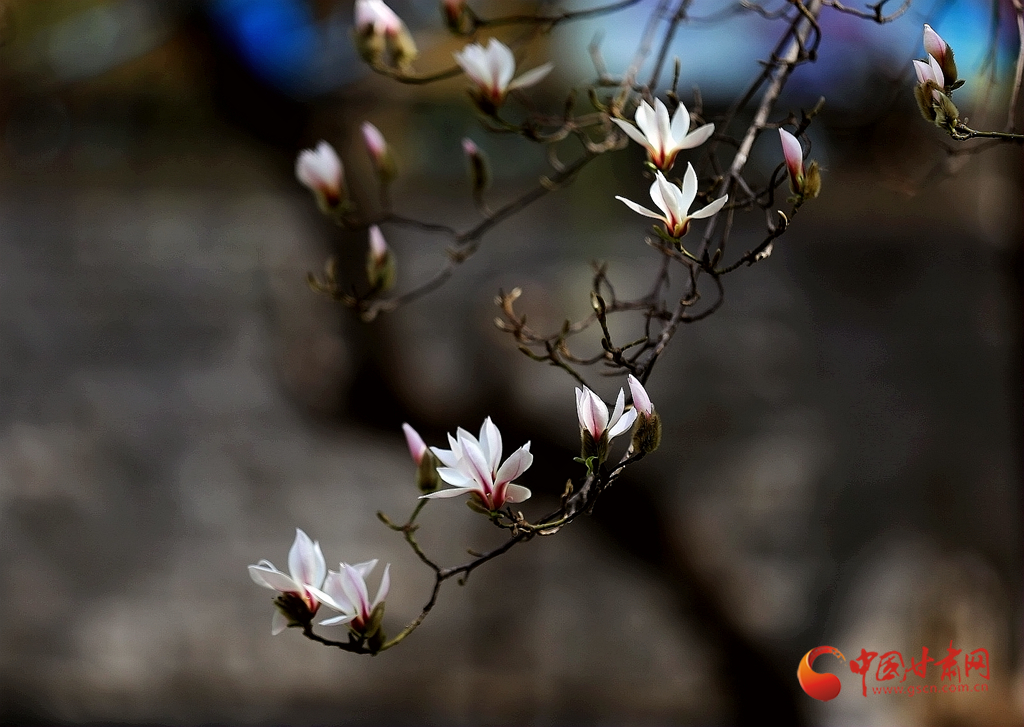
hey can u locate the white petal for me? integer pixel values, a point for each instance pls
(793, 154)
(680, 124)
(936, 72)
(278, 623)
(490, 443)
(696, 137)
(710, 209)
(476, 465)
(355, 589)
(366, 568)
(517, 463)
(620, 404)
(688, 190)
(531, 77)
(273, 578)
(664, 125)
(417, 447)
(623, 424)
(333, 594)
(445, 456)
(647, 122)
(593, 413)
(640, 209)
(516, 493)
(306, 560)
(455, 477)
(385, 586)
(633, 133)
(445, 494)
(343, 619)
(502, 63)
(661, 198)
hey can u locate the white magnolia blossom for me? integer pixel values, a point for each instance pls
(641, 401)
(674, 202)
(345, 591)
(308, 569)
(320, 170)
(491, 70)
(595, 418)
(471, 466)
(664, 139)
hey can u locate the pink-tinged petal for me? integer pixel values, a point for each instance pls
(688, 189)
(923, 71)
(936, 70)
(378, 245)
(355, 588)
(278, 623)
(658, 195)
(710, 209)
(593, 414)
(490, 443)
(623, 425)
(268, 576)
(306, 561)
(640, 209)
(934, 45)
(445, 494)
(531, 77)
(516, 493)
(385, 587)
(697, 137)
(633, 133)
(793, 153)
(475, 464)
(338, 620)
(647, 122)
(517, 463)
(417, 447)
(641, 401)
(455, 477)
(374, 140)
(680, 125)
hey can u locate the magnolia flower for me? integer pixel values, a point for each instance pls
(675, 203)
(471, 467)
(380, 262)
(320, 170)
(595, 419)
(930, 70)
(308, 569)
(491, 69)
(379, 29)
(662, 138)
(805, 183)
(345, 591)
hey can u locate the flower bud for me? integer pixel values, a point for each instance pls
(320, 170)
(805, 182)
(647, 435)
(427, 479)
(378, 29)
(479, 168)
(454, 12)
(380, 262)
(380, 152)
(938, 49)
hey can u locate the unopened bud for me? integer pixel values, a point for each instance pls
(479, 168)
(380, 262)
(938, 49)
(380, 152)
(647, 435)
(378, 29)
(454, 12)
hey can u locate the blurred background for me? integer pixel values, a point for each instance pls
(841, 461)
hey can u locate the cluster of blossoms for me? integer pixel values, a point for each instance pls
(936, 81)
(474, 467)
(309, 584)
